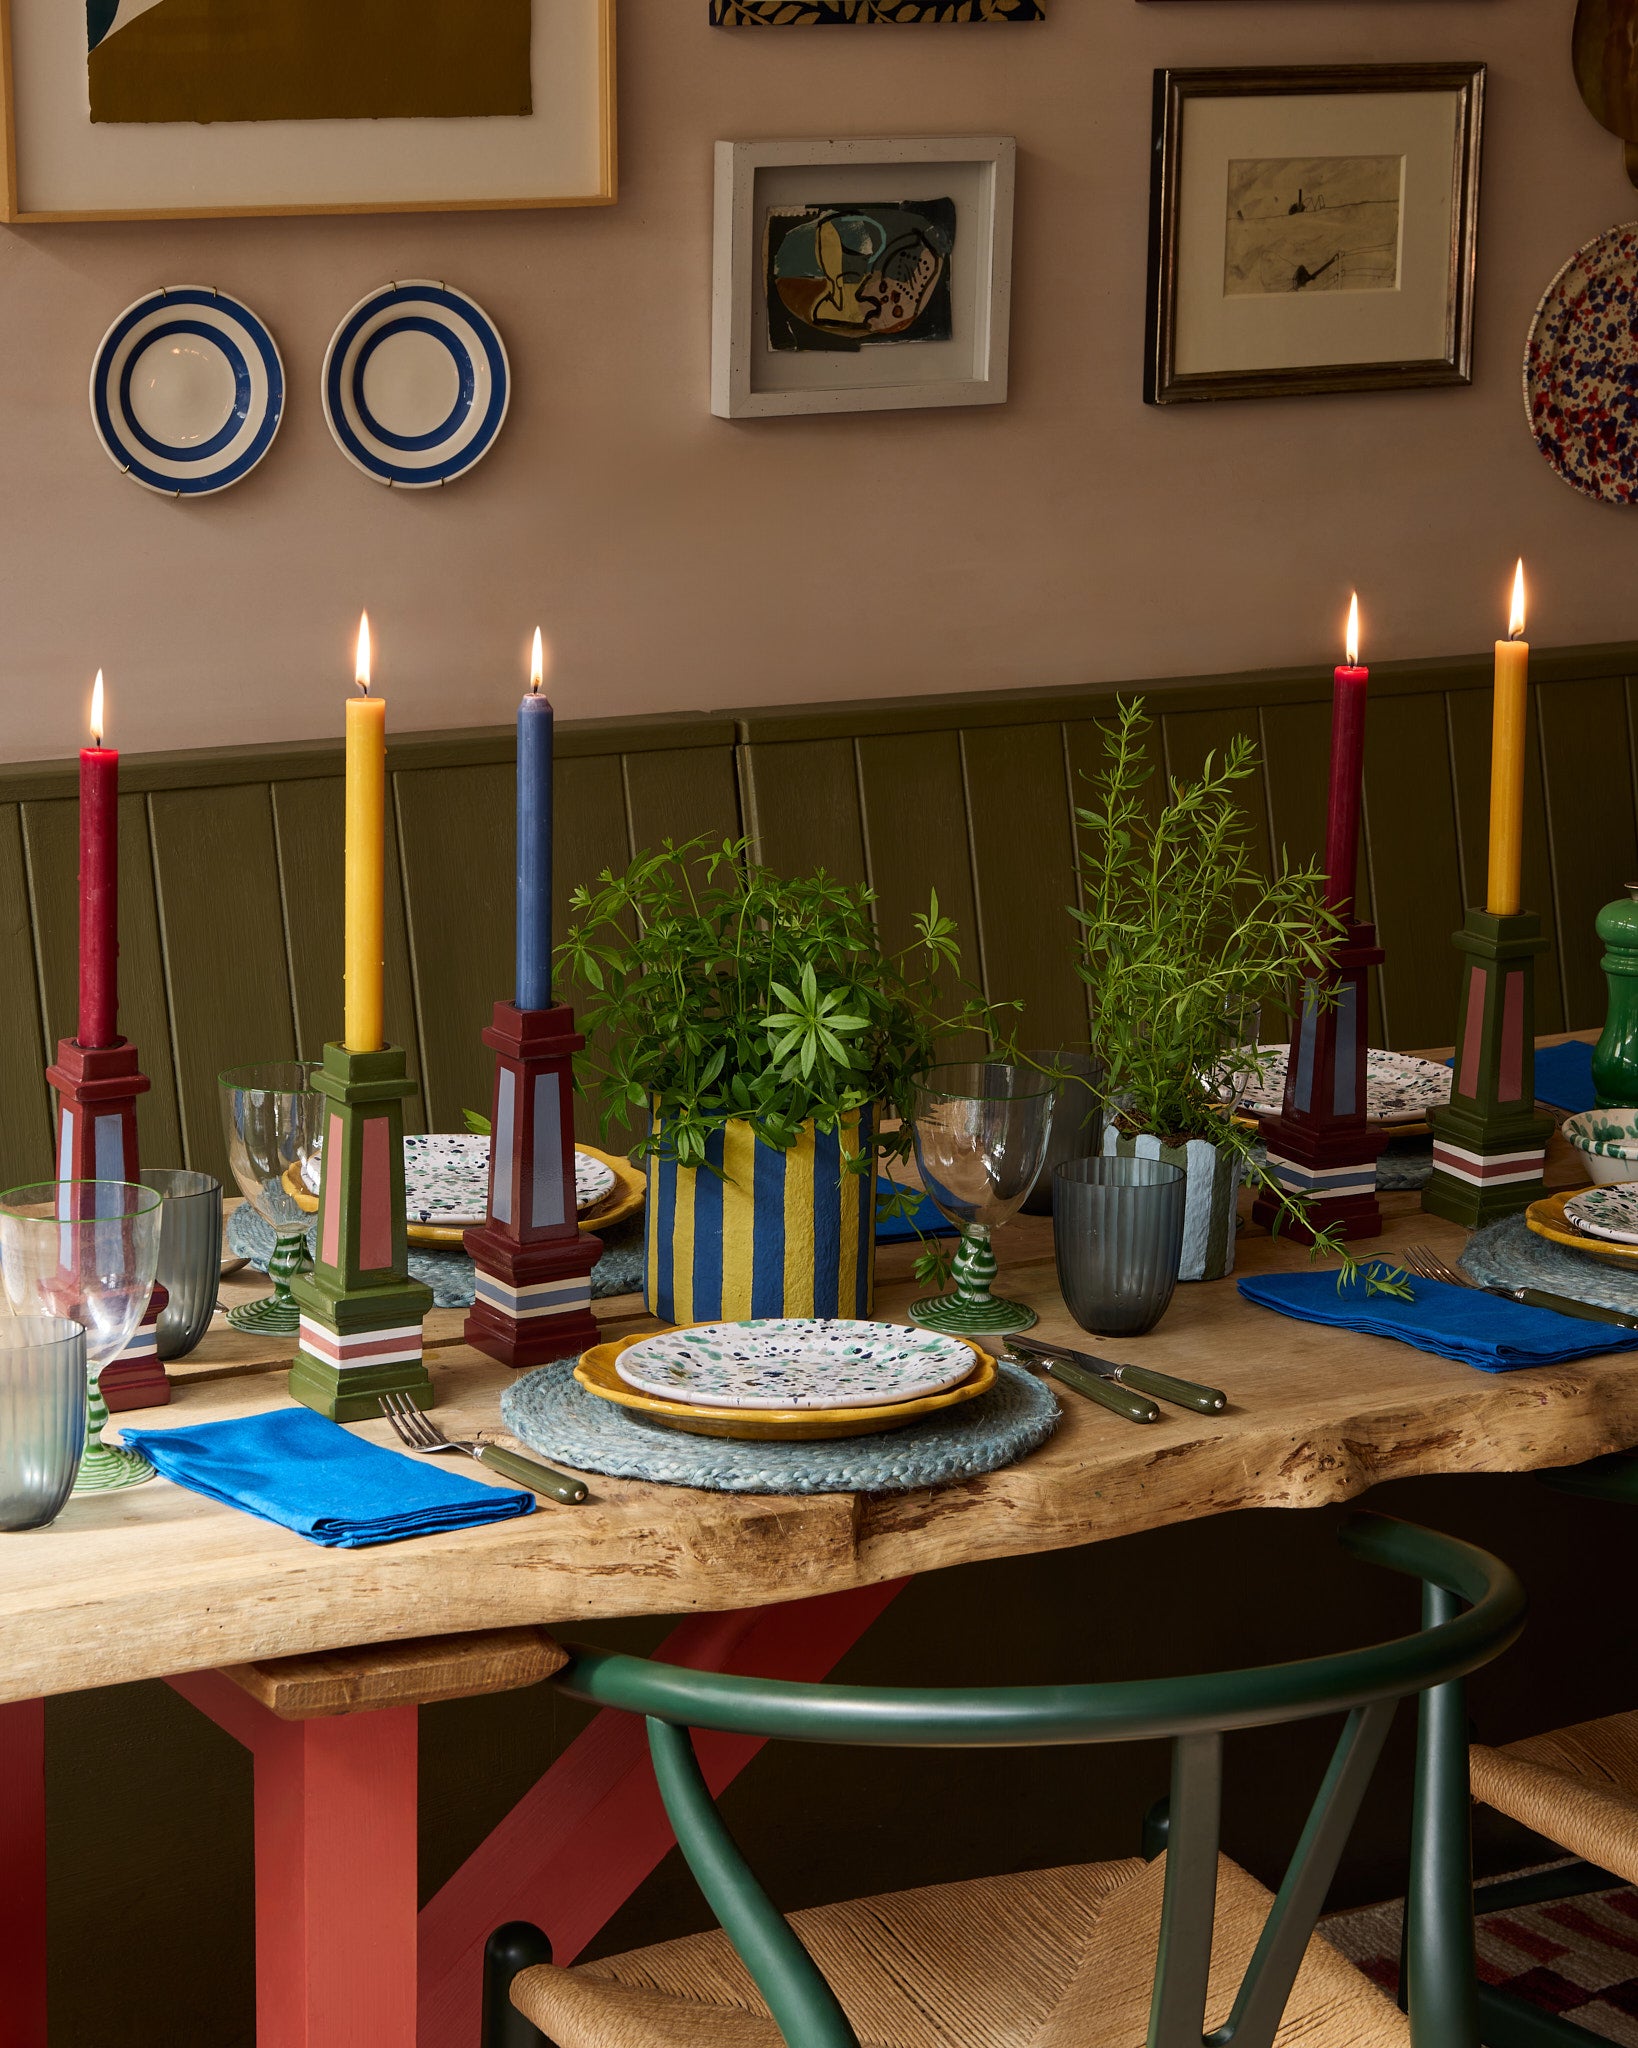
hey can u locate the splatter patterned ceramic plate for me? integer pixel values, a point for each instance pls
(1548, 1219)
(1581, 369)
(795, 1362)
(1399, 1089)
(1607, 1212)
(446, 1180)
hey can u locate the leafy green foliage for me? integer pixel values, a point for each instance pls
(724, 990)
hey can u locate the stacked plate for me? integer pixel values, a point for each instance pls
(1399, 1088)
(787, 1379)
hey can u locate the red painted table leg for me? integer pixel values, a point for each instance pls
(335, 1870)
(575, 1848)
(22, 1875)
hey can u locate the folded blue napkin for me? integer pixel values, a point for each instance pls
(1564, 1076)
(295, 1468)
(1456, 1322)
(925, 1218)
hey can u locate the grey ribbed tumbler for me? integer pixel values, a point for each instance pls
(190, 1254)
(1117, 1229)
(42, 1417)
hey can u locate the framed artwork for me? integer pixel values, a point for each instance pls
(184, 109)
(861, 276)
(849, 13)
(1312, 229)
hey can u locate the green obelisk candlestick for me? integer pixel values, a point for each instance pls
(360, 1310)
(1490, 1145)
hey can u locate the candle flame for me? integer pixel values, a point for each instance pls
(1515, 624)
(96, 711)
(1353, 631)
(537, 665)
(361, 670)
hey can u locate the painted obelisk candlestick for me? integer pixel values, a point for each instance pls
(1490, 1145)
(1320, 1148)
(95, 1073)
(532, 1287)
(361, 1313)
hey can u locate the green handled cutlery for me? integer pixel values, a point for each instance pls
(1123, 1388)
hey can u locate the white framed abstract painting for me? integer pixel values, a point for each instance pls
(862, 275)
(166, 109)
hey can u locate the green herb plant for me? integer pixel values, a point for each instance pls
(1180, 934)
(720, 989)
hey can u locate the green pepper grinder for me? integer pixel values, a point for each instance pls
(1615, 1057)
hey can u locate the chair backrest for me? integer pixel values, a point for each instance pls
(1473, 1608)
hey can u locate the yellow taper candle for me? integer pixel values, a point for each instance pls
(1507, 761)
(366, 852)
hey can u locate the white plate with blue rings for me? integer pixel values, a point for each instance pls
(187, 391)
(416, 384)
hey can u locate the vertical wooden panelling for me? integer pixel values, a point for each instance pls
(1297, 763)
(217, 870)
(589, 835)
(25, 1100)
(1410, 829)
(682, 793)
(1191, 735)
(1586, 763)
(51, 835)
(1024, 861)
(802, 807)
(308, 824)
(457, 841)
(1469, 715)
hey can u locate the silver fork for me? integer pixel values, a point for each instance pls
(1426, 1264)
(419, 1433)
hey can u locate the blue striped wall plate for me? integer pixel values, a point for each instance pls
(416, 384)
(187, 391)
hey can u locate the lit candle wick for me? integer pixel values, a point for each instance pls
(1353, 631)
(362, 670)
(537, 665)
(96, 711)
(1515, 625)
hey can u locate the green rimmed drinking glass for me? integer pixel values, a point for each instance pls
(981, 1132)
(87, 1251)
(274, 1119)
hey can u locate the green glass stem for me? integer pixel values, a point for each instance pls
(103, 1467)
(276, 1314)
(970, 1309)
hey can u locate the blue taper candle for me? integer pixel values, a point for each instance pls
(535, 842)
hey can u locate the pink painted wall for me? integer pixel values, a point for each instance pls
(682, 562)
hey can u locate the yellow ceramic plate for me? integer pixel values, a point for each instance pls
(1547, 1219)
(624, 1199)
(596, 1373)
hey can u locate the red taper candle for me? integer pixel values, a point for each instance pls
(1347, 772)
(99, 885)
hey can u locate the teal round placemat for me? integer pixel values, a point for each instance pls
(550, 1412)
(1510, 1254)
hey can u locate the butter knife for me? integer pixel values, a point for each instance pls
(1564, 1305)
(1140, 1378)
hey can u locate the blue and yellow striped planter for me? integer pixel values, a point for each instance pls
(784, 1234)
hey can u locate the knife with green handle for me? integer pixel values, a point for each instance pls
(1182, 1393)
(1121, 1399)
(1565, 1305)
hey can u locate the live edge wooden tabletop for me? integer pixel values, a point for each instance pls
(156, 1580)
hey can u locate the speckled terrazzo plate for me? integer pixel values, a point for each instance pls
(446, 1180)
(1610, 1212)
(1548, 1219)
(1399, 1088)
(1581, 369)
(795, 1362)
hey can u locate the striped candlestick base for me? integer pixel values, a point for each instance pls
(1490, 1145)
(532, 1285)
(359, 1335)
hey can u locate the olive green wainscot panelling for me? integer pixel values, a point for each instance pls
(231, 866)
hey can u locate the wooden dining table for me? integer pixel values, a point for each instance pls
(157, 1582)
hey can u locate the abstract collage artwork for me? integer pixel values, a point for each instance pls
(840, 277)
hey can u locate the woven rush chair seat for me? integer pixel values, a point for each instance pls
(1577, 1786)
(1051, 1959)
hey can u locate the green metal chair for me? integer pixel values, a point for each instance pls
(1196, 1938)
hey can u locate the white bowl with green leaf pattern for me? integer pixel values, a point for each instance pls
(1607, 1140)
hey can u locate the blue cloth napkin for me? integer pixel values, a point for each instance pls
(1564, 1076)
(295, 1468)
(925, 1218)
(1456, 1322)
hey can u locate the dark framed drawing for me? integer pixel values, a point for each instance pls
(1313, 229)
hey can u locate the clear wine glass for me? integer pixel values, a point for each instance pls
(274, 1118)
(981, 1132)
(86, 1250)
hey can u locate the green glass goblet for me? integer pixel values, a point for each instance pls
(981, 1131)
(88, 1251)
(274, 1118)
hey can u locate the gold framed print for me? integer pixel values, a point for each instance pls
(190, 109)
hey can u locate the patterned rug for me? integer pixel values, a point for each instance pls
(1574, 1957)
